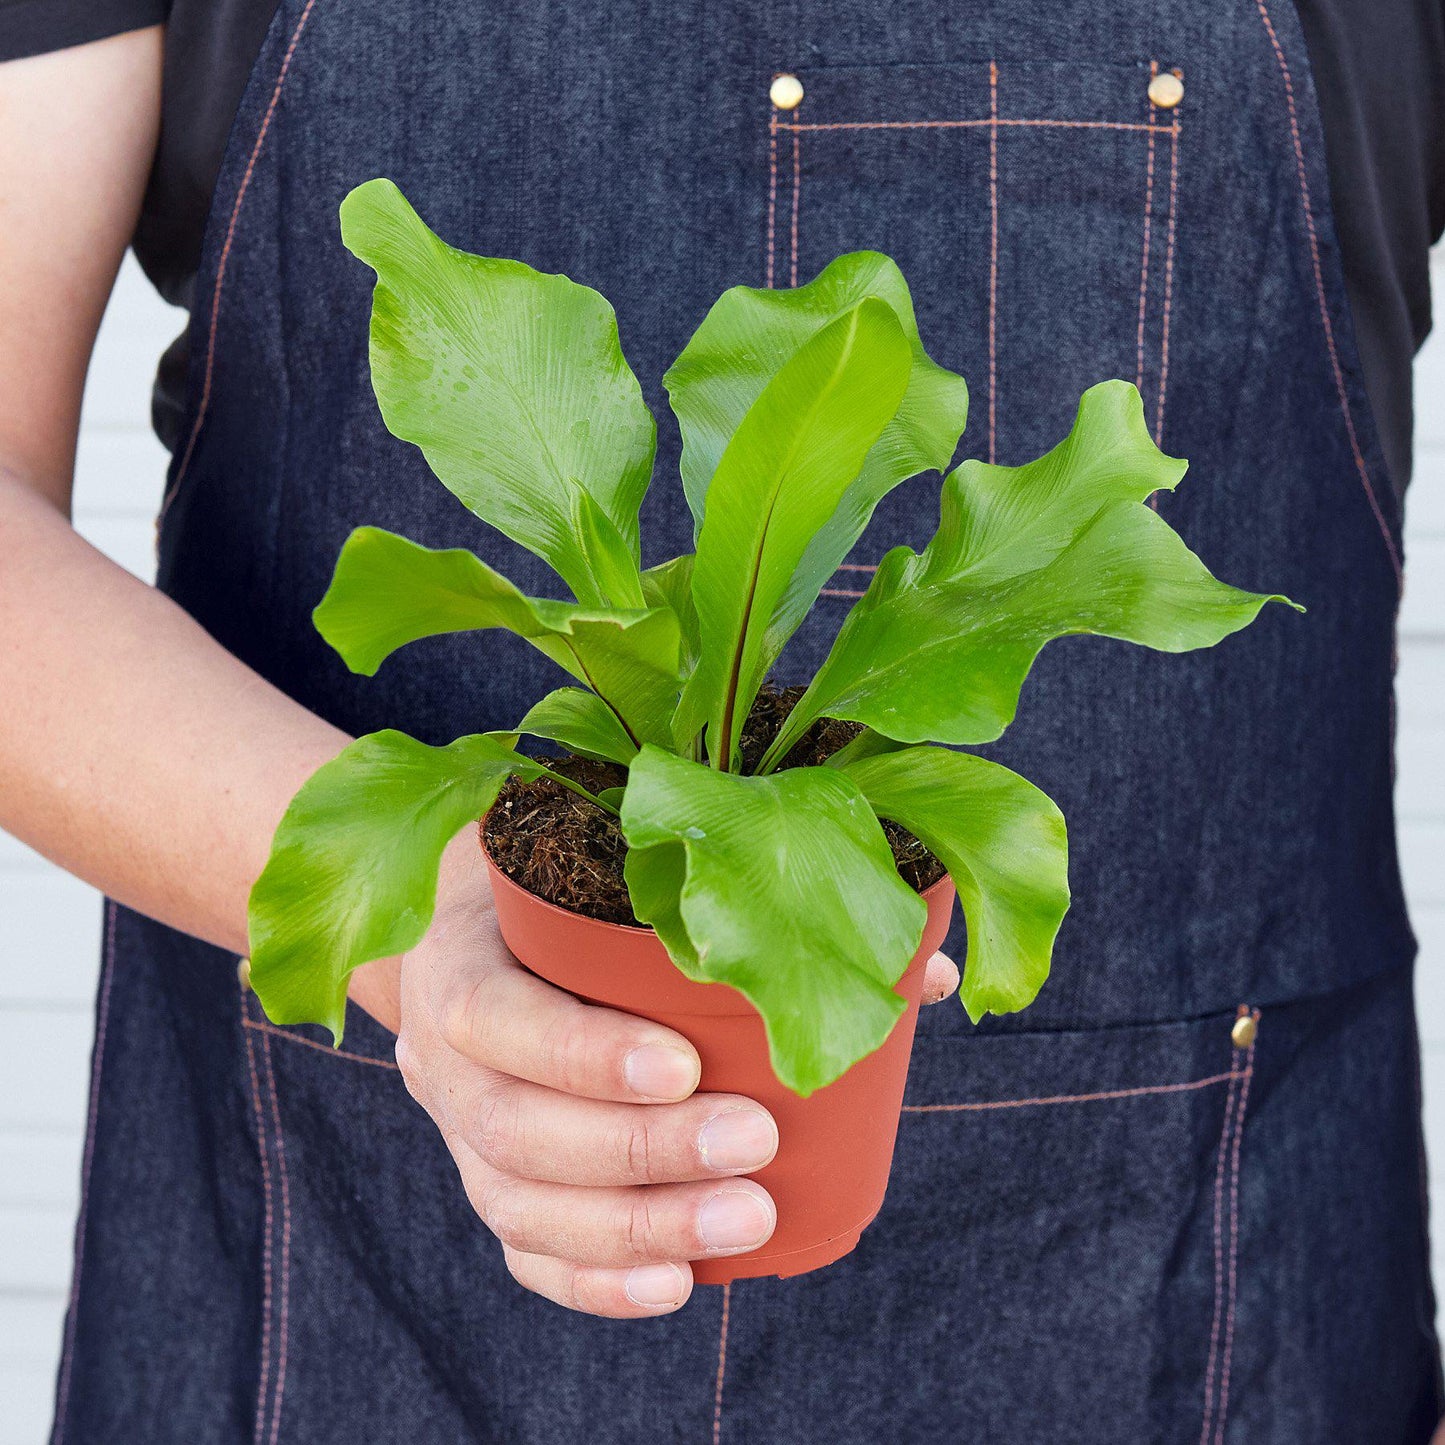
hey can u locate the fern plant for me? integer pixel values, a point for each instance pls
(799, 410)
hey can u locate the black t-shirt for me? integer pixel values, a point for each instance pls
(1379, 69)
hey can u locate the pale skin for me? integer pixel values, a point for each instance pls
(141, 756)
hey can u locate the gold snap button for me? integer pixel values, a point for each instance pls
(243, 972)
(1166, 90)
(786, 92)
(1244, 1030)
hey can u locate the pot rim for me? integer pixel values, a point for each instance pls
(644, 930)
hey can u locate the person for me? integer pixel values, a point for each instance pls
(1182, 1194)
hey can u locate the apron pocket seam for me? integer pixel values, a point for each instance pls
(271, 1031)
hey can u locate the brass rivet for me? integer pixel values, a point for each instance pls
(243, 972)
(786, 92)
(1244, 1030)
(1166, 90)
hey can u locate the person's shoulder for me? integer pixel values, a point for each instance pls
(37, 27)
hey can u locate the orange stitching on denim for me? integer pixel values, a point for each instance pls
(1073, 1098)
(263, 1148)
(1168, 282)
(867, 567)
(1338, 370)
(266, 1028)
(772, 192)
(969, 124)
(285, 1240)
(797, 189)
(1234, 1235)
(992, 258)
(205, 401)
(1218, 1314)
(1144, 256)
(722, 1364)
(101, 1022)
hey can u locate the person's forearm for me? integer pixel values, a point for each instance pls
(134, 750)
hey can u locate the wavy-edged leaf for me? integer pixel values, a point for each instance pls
(388, 591)
(939, 646)
(783, 887)
(352, 874)
(581, 722)
(513, 384)
(1003, 842)
(780, 479)
(742, 344)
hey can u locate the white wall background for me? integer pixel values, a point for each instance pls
(50, 924)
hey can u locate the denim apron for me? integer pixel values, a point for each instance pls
(1182, 1197)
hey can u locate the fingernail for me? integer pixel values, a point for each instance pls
(660, 1071)
(734, 1219)
(738, 1139)
(654, 1285)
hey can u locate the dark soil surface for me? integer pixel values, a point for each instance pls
(562, 848)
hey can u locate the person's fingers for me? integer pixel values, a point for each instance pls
(619, 1227)
(619, 1294)
(940, 978)
(511, 1021)
(531, 1132)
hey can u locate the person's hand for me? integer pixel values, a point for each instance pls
(576, 1129)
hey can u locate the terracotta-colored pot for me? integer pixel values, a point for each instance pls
(834, 1147)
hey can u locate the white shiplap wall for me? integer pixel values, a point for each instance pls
(50, 924)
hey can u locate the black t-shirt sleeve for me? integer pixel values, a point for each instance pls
(33, 27)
